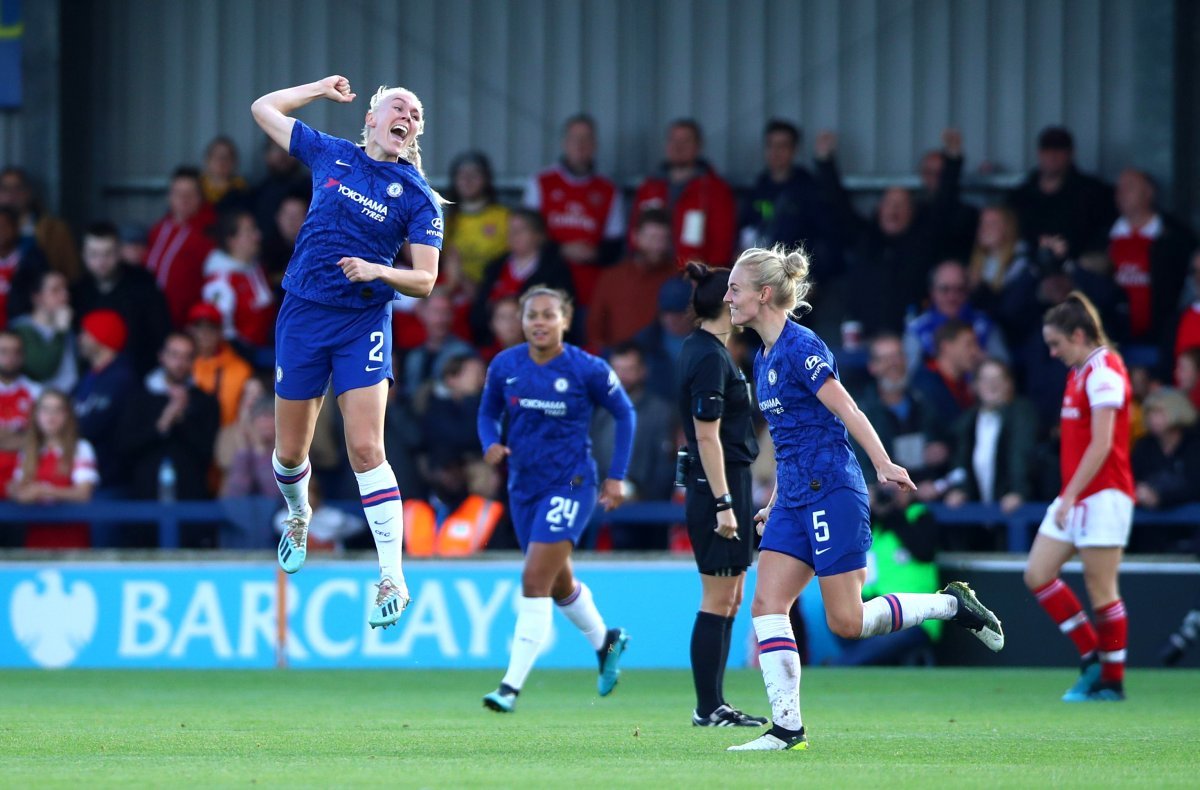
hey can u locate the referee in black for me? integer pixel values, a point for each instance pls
(714, 403)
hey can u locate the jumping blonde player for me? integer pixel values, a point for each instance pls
(335, 322)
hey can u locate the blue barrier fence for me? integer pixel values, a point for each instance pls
(1018, 525)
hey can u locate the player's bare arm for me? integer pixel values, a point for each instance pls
(417, 281)
(273, 111)
(835, 398)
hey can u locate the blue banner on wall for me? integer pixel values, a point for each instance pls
(11, 29)
(223, 615)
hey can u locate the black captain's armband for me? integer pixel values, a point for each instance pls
(708, 407)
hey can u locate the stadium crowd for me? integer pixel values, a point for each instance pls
(138, 364)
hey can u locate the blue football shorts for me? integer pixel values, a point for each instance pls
(552, 516)
(315, 343)
(832, 535)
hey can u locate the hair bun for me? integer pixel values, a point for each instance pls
(695, 271)
(795, 265)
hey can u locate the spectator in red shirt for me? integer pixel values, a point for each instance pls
(56, 465)
(626, 300)
(583, 210)
(1149, 251)
(235, 283)
(179, 244)
(1188, 334)
(702, 207)
(530, 261)
(17, 395)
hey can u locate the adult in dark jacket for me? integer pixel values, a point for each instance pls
(940, 171)
(908, 426)
(530, 261)
(103, 391)
(170, 418)
(109, 284)
(787, 206)
(1059, 200)
(891, 255)
(995, 444)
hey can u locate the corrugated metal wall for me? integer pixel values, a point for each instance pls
(500, 75)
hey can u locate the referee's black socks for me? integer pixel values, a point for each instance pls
(710, 649)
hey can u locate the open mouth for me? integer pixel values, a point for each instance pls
(400, 132)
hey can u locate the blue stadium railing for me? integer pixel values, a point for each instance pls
(1018, 525)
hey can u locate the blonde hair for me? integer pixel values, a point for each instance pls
(412, 151)
(784, 271)
(564, 299)
(1005, 253)
(1179, 410)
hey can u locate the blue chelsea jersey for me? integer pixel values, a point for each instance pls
(812, 452)
(548, 413)
(360, 208)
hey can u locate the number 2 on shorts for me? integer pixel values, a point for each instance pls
(376, 352)
(820, 528)
(562, 509)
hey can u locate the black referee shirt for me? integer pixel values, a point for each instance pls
(706, 371)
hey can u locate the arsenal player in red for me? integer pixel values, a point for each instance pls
(1094, 512)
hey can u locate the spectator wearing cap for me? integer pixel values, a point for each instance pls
(662, 341)
(104, 390)
(46, 334)
(169, 418)
(110, 283)
(1058, 207)
(218, 369)
(626, 298)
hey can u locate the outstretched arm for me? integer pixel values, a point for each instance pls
(273, 111)
(838, 401)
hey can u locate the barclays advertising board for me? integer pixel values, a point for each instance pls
(224, 615)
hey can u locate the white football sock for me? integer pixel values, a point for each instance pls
(580, 609)
(780, 664)
(897, 611)
(385, 516)
(533, 626)
(293, 484)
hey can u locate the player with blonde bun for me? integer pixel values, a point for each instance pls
(817, 522)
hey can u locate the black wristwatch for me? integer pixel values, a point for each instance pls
(724, 503)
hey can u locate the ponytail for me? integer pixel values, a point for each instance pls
(1078, 312)
(708, 295)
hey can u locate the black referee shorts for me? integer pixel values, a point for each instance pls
(715, 555)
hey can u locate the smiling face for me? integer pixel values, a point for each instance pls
(993, 385)
(745, 300)
(544, 322)
(394, 123)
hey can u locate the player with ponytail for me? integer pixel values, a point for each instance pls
(818, 522)
(1093, 514)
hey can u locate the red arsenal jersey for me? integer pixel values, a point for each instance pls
(1100, 382)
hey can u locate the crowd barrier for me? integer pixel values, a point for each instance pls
(1018, 525)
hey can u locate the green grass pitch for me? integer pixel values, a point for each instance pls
(410, 728)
